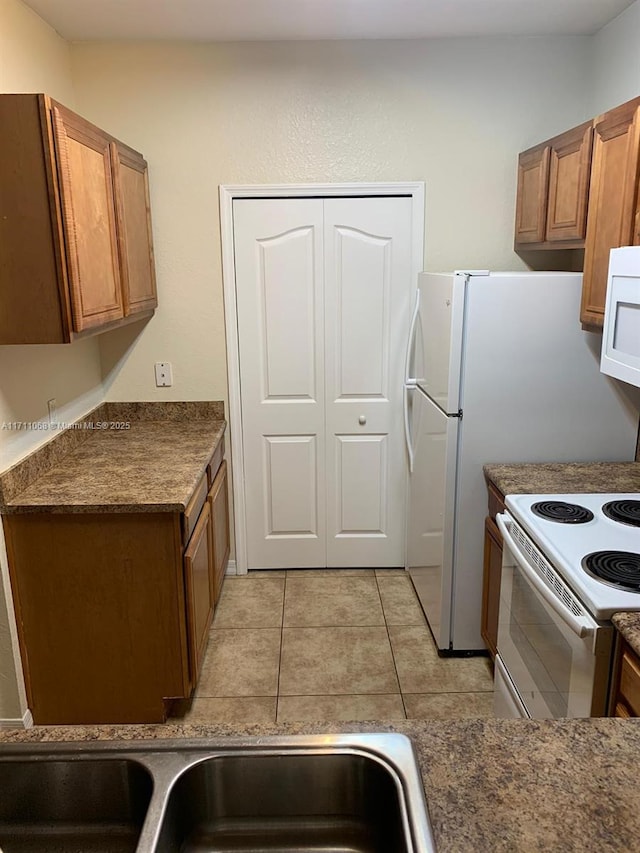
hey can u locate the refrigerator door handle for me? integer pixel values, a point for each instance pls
(407, 429)
(411, 383)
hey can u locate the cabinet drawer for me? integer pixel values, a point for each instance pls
(191, 513)
(630, 681)
(496, 504)
(216, 461)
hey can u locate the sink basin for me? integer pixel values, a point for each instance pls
(321, 802)
(359, 793)
(72, 805)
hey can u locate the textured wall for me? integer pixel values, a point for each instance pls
(616, 62)
(453, 113)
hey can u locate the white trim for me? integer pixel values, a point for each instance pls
(229, 192)
(231, 568)
(23, 722)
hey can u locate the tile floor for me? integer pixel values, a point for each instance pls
(330, 645)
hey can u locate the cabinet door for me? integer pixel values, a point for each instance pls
(198, 589)
(85, 180)
(569, 168)
(612, 202)
(135, 242)
(219, 503)
(491, 585)
(629, 687)
(531, 200)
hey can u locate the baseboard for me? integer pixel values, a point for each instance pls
(231, 568)
(23, 722)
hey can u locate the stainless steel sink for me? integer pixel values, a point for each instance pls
(339, 793)
(61, 804)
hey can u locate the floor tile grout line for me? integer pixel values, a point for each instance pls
(393, 657)
(284, 598)
(389, 626)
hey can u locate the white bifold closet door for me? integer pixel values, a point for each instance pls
(323, 287)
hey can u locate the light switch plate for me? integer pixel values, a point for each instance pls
(164, 374)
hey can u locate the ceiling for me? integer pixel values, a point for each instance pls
(270, 20)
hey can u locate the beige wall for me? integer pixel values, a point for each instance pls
(453, 113)
(616, 61)
(33, 58)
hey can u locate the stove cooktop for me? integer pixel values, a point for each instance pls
(592, 540)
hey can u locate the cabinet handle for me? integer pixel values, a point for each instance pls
(362, 420)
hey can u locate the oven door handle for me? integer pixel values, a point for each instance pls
(579, 625)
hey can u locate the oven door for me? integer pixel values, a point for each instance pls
(555, 653)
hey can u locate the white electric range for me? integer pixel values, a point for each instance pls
(569, 562)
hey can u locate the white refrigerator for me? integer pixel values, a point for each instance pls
(497, 370)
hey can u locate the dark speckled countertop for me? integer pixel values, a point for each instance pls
(150, 465)
(568, 477)
(491, 785)
(628, 624)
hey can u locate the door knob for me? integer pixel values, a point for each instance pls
(362, 420)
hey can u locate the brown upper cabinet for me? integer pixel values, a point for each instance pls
(580, 190)
(533, 186)
(75, 226)
(614, 217)
(553, 187)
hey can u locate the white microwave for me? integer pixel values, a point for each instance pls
(621, 332)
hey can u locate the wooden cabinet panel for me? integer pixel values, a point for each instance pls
(612, 202)
(569, 170)
(491, 585)
(101, 615)
(219, 503)
(32, 266)
(625, 684)
(621, 711)
(192, 511)
(215, 462)
(88, 207)
(199, 591)
(496, 500)
(630, 681)
(135, 241)
(531, 202)
(75, 230)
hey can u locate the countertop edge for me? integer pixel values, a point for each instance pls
(19, 506)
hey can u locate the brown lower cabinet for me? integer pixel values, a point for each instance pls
(625, 688)
(491, 585)
(113, 609)
(492, 572)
